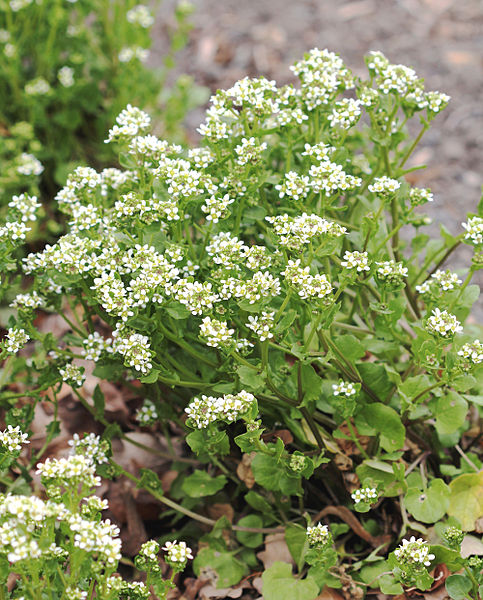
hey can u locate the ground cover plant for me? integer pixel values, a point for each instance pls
(312, 373)
(68, 68)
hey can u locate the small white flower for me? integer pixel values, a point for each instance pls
(364, 495)
(472, 351)
(384, 185)
(66, 76)
(414, 551)
(13, 438)
(344, 388)
(318, 535)
(356, 260)
(15, 339)
(443, 323)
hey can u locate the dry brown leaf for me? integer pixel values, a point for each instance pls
(343, 462)
(471, 545)
(209, 591)
(479, 525)
(329, 594)
(217, 510)
(257, 583)
(276, 549)
(244, 470)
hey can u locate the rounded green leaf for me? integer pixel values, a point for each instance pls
(451, 411)
(430, 505)
(200, 484)
(249, 538)
(458, 587)
(466, 500)
(280, 584)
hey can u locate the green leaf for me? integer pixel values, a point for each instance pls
(445, 556)
(451, 411)
(151, 377)
(285, 322)
(176, 310)
(428, 506)
(350, 347)
(227, 568)
(269, 472)
(258, 502)
(99, 402)
(250, 379)
(387, 423)
(466, 500)
(388, 585)
(280, 584)
(296, 538)
(458, 587)
(413, 386)
(200, 484)
(247, 538)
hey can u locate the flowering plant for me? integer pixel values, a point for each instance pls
(262, 281)
(68, 70)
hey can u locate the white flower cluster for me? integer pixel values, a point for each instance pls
(177, 553)
(472, 351)
(307, 285)
(96, 537)
(13, 231)
(13, 438)
(392, 271)
(129, 53)
(135, 348)
(414, 551)
(384, 185)
(474, 230)
(217, 208)
(66, 76)
(419, 196)
(344, 388)
(91, 447)
(94, 345)
(73, 375)
(15, 339)
(26, 205)
(67, 472)
(140, 15)
(446, 279)
(322, 74)
(443, 323)
(321, 151)
(294, 186)
(249, 151)
(346, 113)
(356, 260)
(131, 122)
(147, 413)
(196, 296)
(37, 87)
(319, 535)
(329, 177)
(75, 594)
(295, 232)
(262, 285)
(208, 409)
(216, 333)
(29, 300)
(364, 495)
(403, 81)
(261, 325)
(29, 165)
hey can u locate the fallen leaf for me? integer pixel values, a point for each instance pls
(217, 510)
(329, 594)
(208, 591)
(244, 470)
(276, 550)
(471, 545)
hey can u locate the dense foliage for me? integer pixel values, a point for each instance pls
(260, 290)
(68, 68)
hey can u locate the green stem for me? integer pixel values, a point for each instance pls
(414, 144)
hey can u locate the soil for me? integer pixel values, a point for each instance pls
(441, 39)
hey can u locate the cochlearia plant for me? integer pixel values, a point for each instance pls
(271, 297)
